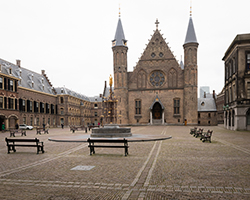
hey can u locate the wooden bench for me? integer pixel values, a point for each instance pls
(198, 133)
(207, 136)
(93, 126)
(92, 144)
(76, 128)
(15, 131)
(41, 130)
(12, 143)
(193, 130)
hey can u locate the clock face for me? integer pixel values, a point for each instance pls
(157, 78)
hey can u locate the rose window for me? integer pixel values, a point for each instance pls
(157, 78)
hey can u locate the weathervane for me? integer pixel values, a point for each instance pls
(190, 8)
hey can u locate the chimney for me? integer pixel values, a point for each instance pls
(18, 63)
(214, 94)
(43, 72)
(204, 94)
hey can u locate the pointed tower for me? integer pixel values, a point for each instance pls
(190, 74)
(120, 49)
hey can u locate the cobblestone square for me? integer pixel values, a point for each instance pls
(179, 168)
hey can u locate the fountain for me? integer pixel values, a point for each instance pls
(110, 129)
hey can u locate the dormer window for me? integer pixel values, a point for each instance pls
(61, 90)
(10, 71)
(113, 43)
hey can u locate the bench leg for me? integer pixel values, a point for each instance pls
(126, 151)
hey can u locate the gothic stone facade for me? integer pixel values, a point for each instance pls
(158, 90)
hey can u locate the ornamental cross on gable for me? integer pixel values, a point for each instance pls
(157, 23)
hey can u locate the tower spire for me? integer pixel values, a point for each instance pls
(119, 39)
(190, 36)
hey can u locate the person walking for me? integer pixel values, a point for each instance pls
(3, 127)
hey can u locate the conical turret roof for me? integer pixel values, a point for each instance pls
(191, 36)
(119, 35)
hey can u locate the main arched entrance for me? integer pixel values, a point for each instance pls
(157, 111)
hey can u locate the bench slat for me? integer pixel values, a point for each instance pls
(106, 146)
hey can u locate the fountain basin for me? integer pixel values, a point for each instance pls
(111, 130)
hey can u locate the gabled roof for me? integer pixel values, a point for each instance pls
(28, 78)
(119, 35)
(157, 99)
(190, 36)
(66, 91)
(206, 104)
(157, 49)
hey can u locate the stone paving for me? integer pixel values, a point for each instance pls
(180, 168)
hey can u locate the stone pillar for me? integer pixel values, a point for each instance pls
(163, 117)
(6, 123)
(151, 118)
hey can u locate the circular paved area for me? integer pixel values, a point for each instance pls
(180, 168)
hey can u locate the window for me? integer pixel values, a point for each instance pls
(248, 61)
(226, 96)
(137, 107)
(31, 121)
(209, 115)
(31, 109)
(47, 108)
(23, 105)
(61, 111)
(52, 109)
(1, 83)
(234, 66)
(95, 114)
(248, 90)
(199, 115)
(157, 78)
(230, 94)
(233, 92)
(1, 102)
(11, 103)
(96, 105)
(61, 99)
(176, 106)
(41, 107)
(24, 120)
(37, 121)
(49, 121)
(11, 85)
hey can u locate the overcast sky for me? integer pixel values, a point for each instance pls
(71, 39)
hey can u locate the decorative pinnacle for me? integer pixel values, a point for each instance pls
(157, 23)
